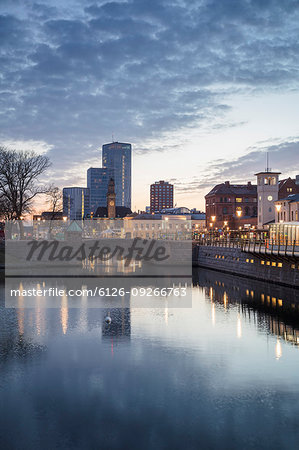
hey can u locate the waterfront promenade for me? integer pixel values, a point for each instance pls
(265, 259)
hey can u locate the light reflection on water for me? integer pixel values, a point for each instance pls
(222, 374)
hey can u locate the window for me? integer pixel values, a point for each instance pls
(224, 210)
(239, 200)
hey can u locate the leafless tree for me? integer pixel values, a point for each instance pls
(54, 200)
(19, 173)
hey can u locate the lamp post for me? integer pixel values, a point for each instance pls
(213, 218)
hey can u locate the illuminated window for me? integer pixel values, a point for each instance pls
(274, 264)
(247, 260)
(263, 263)
(252, 261)
(293, 266)
(279, 264)
(268, 263)
(239, 200)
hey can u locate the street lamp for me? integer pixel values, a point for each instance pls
(239, 213)
(64, 219)
(278, 207)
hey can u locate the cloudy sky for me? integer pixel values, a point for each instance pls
(201, 88)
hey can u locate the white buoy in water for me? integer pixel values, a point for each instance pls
(108, 320)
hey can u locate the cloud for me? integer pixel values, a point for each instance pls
(283, 157)
(72, 74)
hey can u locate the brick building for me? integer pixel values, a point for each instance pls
(231, 205)
(161, 196)
(288, 186)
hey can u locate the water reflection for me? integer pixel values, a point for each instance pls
(271, 307)
(222, 374)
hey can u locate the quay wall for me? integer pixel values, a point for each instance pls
(270, 268)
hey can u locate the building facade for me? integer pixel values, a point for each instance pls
(287, 209)
(267, 192)
(116, 159)
(161, 196)
(231, 206)
(97, 183)
(288, 186)
(76, 202)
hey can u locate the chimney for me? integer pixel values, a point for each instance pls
(226, 183)
(297, 180)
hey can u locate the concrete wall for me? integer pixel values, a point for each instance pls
(235, 261)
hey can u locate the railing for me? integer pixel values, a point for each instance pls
(264, 246)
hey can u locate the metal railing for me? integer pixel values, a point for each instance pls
(264, 246)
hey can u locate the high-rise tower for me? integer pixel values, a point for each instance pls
(116, 158)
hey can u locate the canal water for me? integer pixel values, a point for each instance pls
(223, 374)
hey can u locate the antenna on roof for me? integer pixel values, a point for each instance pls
(267, 161)
(112, 137)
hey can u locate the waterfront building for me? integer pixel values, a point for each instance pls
(231, 206)
(172, 223)
(116, 159)
(161, 196)
(267, 192)
(97, 182)
(76, 201)
(287, 209)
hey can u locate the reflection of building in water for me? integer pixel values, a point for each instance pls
(120, 325)
(271, 307)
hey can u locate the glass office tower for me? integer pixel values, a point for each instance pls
(75, 202)
(97, 182)
(116, 158)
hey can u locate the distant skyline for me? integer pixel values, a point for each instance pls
(200, 88)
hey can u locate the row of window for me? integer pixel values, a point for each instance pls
(228, 199)
(251, 261)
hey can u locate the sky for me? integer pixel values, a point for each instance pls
(203, 89)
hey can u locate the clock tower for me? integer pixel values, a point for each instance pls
(267, 194)
(111, 199)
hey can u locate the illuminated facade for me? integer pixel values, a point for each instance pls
(230, 206)
(267, 192)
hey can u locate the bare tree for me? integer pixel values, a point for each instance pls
(19, 173)
(54, 201)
